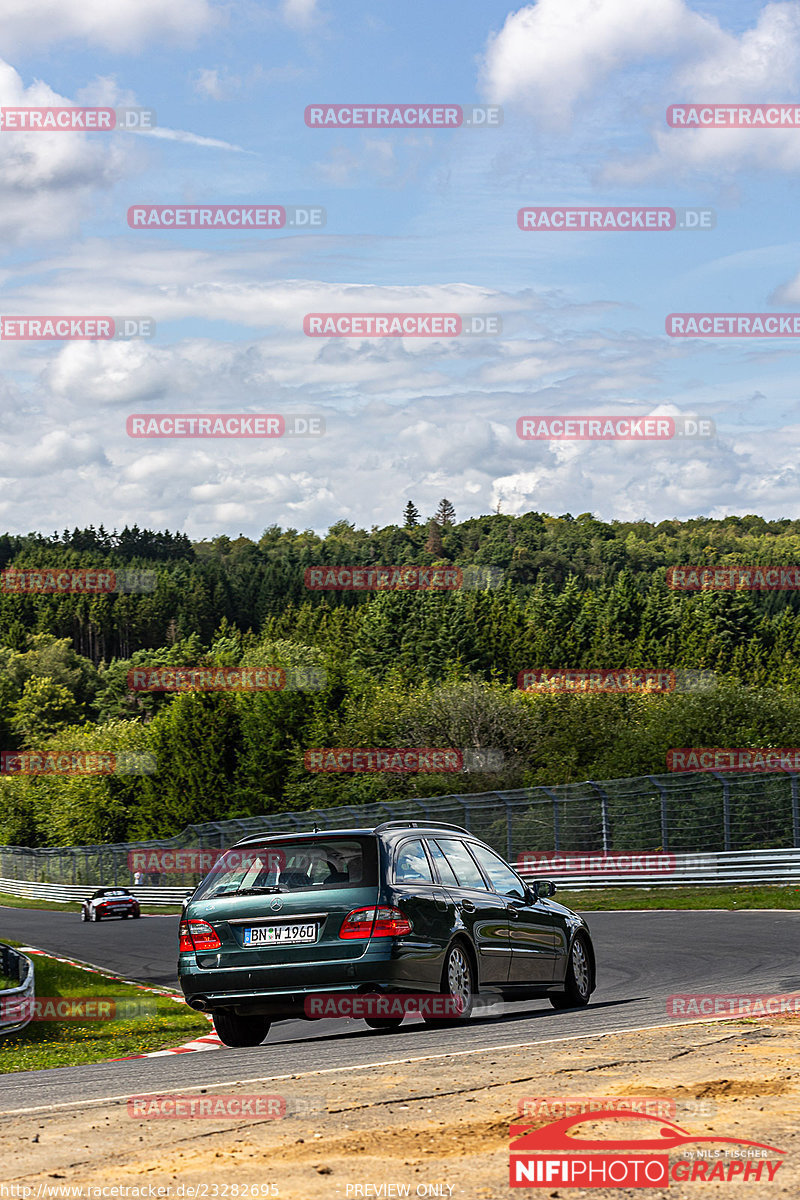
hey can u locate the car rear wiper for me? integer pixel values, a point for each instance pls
(254, 891)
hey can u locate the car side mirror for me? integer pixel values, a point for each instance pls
(543, 888)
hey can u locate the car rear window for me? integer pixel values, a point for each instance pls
(304, 865)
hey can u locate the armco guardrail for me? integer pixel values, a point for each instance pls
(574, 869)
(67, 891)
(16, 1004)
(596, 870)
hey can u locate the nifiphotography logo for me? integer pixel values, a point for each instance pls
(553, 1155)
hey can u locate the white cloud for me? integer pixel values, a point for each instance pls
(564, 59)
(47, 179)
(760, 65)
(551, 55)
(207, 82)
(787, 293)
(118, 25)
(190, 139)
(300, 13)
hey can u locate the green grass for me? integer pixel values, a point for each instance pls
(594, 899)
(7, 901)
(164, 1023)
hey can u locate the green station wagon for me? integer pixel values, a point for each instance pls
(404, 908)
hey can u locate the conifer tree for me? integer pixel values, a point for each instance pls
(445, 513)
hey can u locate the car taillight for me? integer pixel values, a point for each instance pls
(375, 922)
(197, 935)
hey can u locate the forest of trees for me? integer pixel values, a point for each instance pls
(399, 668)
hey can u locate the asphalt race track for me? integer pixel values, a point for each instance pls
(643, 957)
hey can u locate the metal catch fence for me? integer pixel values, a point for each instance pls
(703, 813)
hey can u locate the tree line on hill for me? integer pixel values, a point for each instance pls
(398, 668)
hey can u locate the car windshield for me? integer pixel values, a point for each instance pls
(307, 864)
(112, 892)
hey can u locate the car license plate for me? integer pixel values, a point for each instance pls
(280, 935)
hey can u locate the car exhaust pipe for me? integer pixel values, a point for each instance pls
(199, 1003)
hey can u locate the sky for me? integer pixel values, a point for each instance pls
(416, 220)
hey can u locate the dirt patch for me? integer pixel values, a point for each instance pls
(438, 1128)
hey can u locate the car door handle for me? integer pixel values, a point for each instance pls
(513, 913)
(467, 906)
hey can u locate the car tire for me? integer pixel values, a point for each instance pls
(84, 914)
(94, 915)
(578, 983)
(384, 1022)
(458, 980)
(235, 1029)
(136, 916)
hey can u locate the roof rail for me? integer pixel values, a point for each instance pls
(419, 825)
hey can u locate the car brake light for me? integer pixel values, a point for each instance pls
(375, 922)
(197, 936)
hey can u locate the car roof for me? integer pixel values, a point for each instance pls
(387, 830)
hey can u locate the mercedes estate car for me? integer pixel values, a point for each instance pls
(406, 907)
(110, 902)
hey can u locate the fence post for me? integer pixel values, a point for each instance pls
(795, 810)
(462, 801)
(509, 843)
(726, 808)
(662, 791)
(556, 817)
(603, 813)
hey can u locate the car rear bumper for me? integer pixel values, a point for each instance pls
(282, 990)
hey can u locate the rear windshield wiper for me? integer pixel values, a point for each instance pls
(253, 891)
